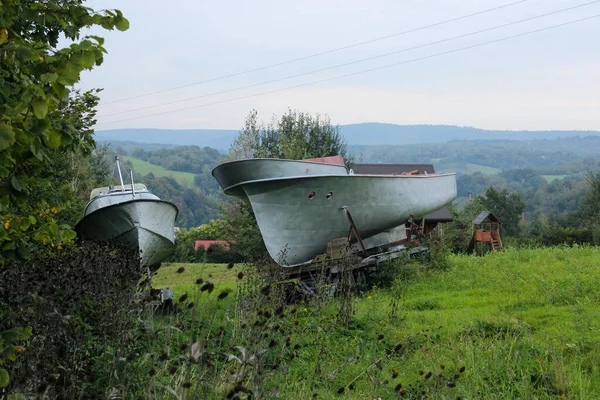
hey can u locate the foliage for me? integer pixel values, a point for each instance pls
(65, 184)
(458, 233)
(43, 128)
(35, 77)
(214, 230)
(181, 158)
(190, 159)
(243, 232)
(507, 207)
(194, 207)
(590, 205)
(77, 302)
(568, 155)
(296, 135)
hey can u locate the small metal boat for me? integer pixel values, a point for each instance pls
(301, 205)
(131, 214)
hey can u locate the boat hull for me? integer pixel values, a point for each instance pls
(232, 175)
(296, 226)
(144, 224)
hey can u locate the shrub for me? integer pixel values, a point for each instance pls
(77, 303)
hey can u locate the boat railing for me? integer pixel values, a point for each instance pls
(112, 190)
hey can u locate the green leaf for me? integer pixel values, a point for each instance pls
(53, 228)
(16, 334)
(60, 90)
(40, 107)
(85, 44)
(16, 396)
(37, 151)
(4, 378)
(23, 333)
(10, 354)
(23, 252)
(3, 35)
(122, 23)
(68, 75)
(89, 59)
(52, 139)
(98, 39)
(25, 224)
(32, 220)
(69, 234)
(24, 53)
(17, 183)
(7, 136)
(49, 77)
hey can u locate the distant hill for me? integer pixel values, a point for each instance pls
(370, 133)
(390, 134)
(219, 139)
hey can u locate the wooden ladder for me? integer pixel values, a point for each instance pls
(496, 244)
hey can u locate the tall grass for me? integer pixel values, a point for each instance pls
(519, 324)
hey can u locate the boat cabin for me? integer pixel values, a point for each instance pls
(116, 194)
(102, 191)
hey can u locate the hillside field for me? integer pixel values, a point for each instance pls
(522, 324)
(551, 178)
(144, 168)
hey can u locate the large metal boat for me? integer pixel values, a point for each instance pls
(300, 206)
(131, 214)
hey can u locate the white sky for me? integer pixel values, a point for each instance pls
(547, 80)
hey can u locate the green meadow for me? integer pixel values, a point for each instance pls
(522, 324)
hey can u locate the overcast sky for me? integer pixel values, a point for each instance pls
(546, 80)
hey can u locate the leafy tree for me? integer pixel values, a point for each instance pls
(35, 77)
(194, 207)
(215, 229)
(296, 135)
(590, 205)
(507, 207)
(458, 233)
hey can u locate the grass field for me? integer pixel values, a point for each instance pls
(550, 178)
(467, 168)
(185, 282)
(522, 324)
(144, 168)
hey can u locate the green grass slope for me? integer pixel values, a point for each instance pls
(522, 324)
(144, 168)
(551, 178)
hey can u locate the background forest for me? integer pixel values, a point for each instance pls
(549, 177)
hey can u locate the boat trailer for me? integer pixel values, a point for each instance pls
(351, 254)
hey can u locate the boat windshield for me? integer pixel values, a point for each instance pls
(106, 190)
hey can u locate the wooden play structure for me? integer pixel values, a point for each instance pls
(486, 234)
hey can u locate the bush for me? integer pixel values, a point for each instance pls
(218, 254)
(77, 302)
